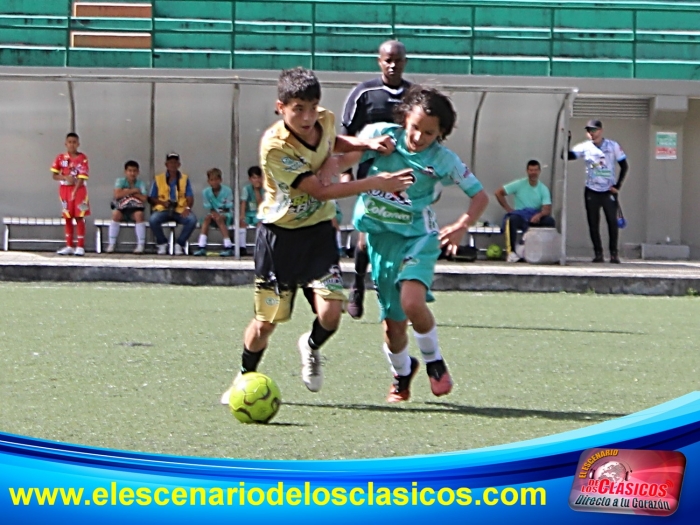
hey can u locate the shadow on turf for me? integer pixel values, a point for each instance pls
(436, 407)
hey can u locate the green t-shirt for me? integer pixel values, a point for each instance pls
(221, 203)
(409, 214)
(527, 196)
(248, 197)
(122, 183)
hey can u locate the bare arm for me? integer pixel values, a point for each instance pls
(346, 144)
(501, 198)
(451, 235)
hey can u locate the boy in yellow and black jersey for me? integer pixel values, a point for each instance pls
(295, 245)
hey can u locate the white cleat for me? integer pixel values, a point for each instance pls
(80, 251)
(68, 250)
(513, 257)
(179, 250)
(162, 249)
(226, 396)
(311, 372)
(110, 248)
(139, 249)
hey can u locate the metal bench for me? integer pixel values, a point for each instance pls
(104, 223)
(30, 221)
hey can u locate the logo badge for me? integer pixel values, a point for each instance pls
(619, 481)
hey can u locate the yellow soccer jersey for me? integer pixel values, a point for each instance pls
(283, 158)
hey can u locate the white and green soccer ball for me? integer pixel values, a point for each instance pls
(255, 398)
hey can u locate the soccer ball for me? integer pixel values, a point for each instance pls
(494, 252)
(255, 398)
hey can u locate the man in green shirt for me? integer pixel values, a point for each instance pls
(533, 206)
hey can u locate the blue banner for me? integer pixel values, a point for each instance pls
(527, 482)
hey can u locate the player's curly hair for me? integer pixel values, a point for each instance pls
(433, 103)
(298, 83)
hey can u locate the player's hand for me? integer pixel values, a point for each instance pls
(451, 237)
(614, 190)
(395, 182)
(383, 145)
(185, 212)
(536, 218)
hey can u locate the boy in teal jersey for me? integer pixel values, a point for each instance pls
(403, 236)
(130, 196)
(217, 200)
(252, 195)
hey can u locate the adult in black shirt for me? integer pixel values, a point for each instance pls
(370, 102)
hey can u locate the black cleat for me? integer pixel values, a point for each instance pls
(401, 389)
(356, 307)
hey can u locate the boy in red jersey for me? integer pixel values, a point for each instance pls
(71, 169)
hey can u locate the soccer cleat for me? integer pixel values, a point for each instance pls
(598, 258)
(68, 250)
(139, 249)
(311, 372)
(513, 257)
(110, 248)
(244, 251)
(179, 250)
(201, 252)
(228, 252)
(614, 258)
(80, 251)
(356, 306)
(440, 380)
(401, 389)
(226, 396)
(162, 249)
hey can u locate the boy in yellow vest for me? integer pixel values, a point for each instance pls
(171, 198)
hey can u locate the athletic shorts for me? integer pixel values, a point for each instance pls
(394, 259)
(74, 208)
(286, 259)
(251, 219)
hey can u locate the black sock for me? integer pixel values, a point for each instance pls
(319, 335)
(250, 360)
(361, 264)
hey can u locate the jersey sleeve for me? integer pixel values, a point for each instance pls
(285, 166)
(227, 203)
(56, 166)
(372, 131)
(546, 196)
(142, 187)
(188, 189)
(206, 201)
(119, 183)
(245, 193)
(512, 187)
(579, 149)
(619, 154)
(354, 113)
(458, 173)
(153, 194)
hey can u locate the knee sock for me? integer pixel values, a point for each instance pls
(80, 226)
(68, 228)
(113, 232)
(242, 237)
(338, 240)
(319, 335)
(400, 363)
(250, 360)
(140, 233)
(428, 344)
(361, 264)
(202, 241)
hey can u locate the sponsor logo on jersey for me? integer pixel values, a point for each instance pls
(383, 211)
(291, 164)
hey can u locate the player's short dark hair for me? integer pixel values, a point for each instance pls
(299, 83)
(534, 162)
(433, 103)
(254, 170)
(131, 164)
(72, 134)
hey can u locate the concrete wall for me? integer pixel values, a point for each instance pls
(195, 120)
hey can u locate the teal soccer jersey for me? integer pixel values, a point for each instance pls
(221, 203)
(409, 214)
(528, 196)
(248, 196)
(123, 184)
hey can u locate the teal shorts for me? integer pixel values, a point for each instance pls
(251, 218)
(395, 259)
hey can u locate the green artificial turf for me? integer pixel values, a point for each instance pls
(142, 368)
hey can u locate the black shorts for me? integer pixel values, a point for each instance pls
(286, 259)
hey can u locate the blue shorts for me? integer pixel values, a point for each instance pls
(394, 259)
